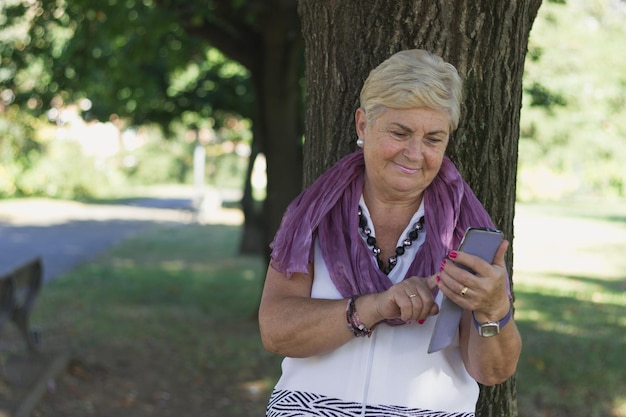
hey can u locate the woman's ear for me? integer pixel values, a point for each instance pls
(361, 122)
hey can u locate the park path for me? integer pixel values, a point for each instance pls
(67, 233)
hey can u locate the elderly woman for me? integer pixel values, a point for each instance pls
(370, 249)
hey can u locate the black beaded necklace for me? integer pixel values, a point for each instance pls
(371, 241)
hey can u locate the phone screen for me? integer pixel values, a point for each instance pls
(482, 242)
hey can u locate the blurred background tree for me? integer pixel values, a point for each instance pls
(573, 120)
(127, 63)
(134, 63)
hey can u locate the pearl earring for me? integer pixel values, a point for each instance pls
(359, 142)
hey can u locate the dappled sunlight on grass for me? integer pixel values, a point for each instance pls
(567, 315)
(173, 266)
(570, 288)
(180, 304)
(202, 249)
(569, 243)
(601, 291)
(619, 410)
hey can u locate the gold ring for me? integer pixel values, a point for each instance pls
(464, 291)
(412, 295)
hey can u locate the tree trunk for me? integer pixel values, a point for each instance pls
(279, 106)
(252, 238)
(277, 122)
(485, 41)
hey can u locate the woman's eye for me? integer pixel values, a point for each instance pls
(401, 135)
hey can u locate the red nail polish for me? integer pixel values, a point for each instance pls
(452, 255)
(438, 278)
(420, 321)
(443, 263)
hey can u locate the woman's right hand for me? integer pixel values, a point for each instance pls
(410, 300)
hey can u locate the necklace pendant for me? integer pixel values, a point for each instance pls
(400, 250)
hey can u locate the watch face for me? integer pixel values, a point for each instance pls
(489, 329)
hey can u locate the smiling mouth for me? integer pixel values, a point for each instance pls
(407, 170)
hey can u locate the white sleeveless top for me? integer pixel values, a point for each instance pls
(390, 371)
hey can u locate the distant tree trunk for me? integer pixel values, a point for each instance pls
(274, 57)
(279, 112)
(485, 41)
(251, 242)
(266, 38)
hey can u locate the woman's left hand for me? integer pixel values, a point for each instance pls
(489, 360)
(484, 292)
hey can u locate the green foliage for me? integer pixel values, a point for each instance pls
(542, 97)
(128, 61)
(18, 148)
(158, 161)
(132, 59)
(35, 162)
(573, 120)
(227, 170)
(60, 164)
(53, 174)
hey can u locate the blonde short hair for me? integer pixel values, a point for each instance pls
(413, 78)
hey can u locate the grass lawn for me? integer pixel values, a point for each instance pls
(164, 324)
(570, 286)
(161, 325)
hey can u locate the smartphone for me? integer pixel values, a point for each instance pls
(482, 242)
(479, 241)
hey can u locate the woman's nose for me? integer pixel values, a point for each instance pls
(414, 148)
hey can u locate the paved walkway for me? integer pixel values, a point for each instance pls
(67, 233)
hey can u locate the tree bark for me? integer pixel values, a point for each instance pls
(251, 241)
(485, 41)
(276, 79)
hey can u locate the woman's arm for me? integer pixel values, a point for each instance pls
(489, 360)
(294, 324)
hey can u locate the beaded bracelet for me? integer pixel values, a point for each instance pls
(355, 324)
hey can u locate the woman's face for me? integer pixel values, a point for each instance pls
(403, 150)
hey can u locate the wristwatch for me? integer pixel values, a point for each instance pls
(491, 328)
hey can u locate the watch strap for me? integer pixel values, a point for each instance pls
(501, 323)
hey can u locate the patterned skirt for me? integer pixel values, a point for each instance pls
(284, 403)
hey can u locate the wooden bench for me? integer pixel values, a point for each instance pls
(18, 290)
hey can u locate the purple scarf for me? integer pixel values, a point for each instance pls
(328, 210)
